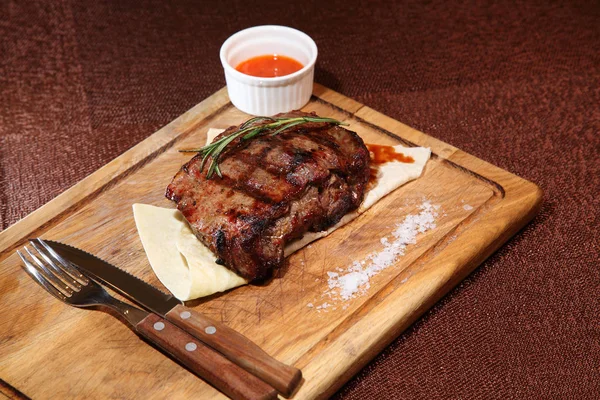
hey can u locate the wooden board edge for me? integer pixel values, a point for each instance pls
(511, 184)
(414, 137)
(101, 177)
(347, 104)
(9, 392)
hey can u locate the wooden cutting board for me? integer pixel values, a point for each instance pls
(51, 350)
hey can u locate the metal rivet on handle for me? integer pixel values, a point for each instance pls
(185, 315)
(159, 326)
(210, 330)
(191, 346)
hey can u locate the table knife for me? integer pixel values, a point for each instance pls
(232, 344)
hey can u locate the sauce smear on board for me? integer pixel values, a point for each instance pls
(269, 66)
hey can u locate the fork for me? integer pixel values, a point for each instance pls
(70, 285)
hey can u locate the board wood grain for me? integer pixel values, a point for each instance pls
(51, 350)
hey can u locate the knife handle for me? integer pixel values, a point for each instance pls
(237, 348)
(203, 361)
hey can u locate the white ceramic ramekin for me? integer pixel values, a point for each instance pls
(268, 96)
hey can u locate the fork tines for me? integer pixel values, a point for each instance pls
(49, 269)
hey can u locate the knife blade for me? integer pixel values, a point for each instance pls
(232, 344)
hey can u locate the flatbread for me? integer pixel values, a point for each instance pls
(184, 265)
(188, 269)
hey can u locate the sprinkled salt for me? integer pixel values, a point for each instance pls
(310, 305)
(468, 207)
(354, 280)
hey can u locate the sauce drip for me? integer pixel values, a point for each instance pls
(380, 155)
(269, 66)
(373, 178)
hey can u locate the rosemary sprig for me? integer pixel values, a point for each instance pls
(249, 131)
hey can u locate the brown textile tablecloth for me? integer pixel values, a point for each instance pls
(516, 85)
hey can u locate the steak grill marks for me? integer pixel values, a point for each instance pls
(271, 172)
(273, 190)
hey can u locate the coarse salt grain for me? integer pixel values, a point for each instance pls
(468, 207)
(354, 280)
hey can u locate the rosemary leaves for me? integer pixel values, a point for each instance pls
(248, 131)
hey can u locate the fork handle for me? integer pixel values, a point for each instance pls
(203, 361)
(237, 348)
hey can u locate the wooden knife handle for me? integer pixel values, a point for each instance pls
(203, 361)
(237, 348)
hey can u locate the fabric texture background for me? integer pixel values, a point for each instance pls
(515, 85)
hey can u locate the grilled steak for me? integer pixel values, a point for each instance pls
(273, 190)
